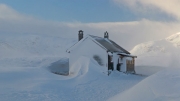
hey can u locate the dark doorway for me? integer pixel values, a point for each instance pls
(118, 66)
(110, 63)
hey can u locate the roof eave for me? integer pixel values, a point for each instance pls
(127, 55)
(71, 48)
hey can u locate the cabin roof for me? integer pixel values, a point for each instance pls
(127, 55)
(108, 44)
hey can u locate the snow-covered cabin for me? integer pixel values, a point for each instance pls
(105, 51)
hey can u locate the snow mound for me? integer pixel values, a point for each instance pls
(80, 67)
(154, 54)
(152, 47)
(163, 86)
(85, 66)
(60, 67)
(175, 39)
(34, 83)
(166, 45)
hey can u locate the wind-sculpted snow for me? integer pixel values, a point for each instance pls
(25, 61)
(163, 86)
(24, 72)
(60, 67)
(35, 83)
(162, 59)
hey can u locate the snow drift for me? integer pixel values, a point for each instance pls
(23, 75)
(163, 86)
(60, 67)
(162, 58)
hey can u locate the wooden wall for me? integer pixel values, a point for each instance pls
(130, 65)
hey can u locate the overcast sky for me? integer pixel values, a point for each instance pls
(129, 22)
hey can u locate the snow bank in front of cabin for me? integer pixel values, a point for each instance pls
(163, 86)
(28, 80)
(82, 65)
(60, 67)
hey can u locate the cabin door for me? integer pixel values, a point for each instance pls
(110, 63)
(118, 65)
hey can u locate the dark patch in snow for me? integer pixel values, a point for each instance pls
(98, 59)
(60, 67)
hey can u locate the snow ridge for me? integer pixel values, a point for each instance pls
(33, 45)
(160, 46)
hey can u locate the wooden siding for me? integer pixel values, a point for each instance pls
(130, 65)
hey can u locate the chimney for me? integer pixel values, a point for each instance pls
(106, 35)
(80, 35)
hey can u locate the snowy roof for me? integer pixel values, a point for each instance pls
(106, 43)
(109, 44)
(128, 55)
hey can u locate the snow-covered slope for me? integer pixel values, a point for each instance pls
(35, 83)
(25, 76)
(157, 55)
(163, 86)
(167, 45)
(153, 47)
(33, 45)
(164, 56)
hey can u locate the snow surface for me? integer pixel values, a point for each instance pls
(159, 59)
(163, 86)
(38, 84)
(157, 55)
(27, 63)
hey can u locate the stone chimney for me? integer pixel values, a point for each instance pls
(80, 35)
(106, 35)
